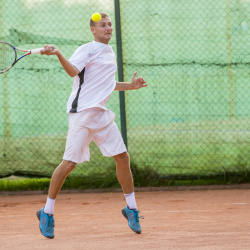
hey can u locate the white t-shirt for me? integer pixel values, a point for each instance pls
(94, 85)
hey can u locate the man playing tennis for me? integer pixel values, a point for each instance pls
(93, 67)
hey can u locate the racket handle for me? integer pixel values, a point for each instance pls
(36, 51)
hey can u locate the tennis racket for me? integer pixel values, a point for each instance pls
(8, 55)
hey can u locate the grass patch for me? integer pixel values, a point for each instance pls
(198, 153)
(15, 183)
(143, 177)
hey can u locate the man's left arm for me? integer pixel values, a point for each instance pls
(136, 83)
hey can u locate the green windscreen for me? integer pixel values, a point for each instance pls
(193, 119)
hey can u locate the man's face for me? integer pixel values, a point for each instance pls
(102, 30)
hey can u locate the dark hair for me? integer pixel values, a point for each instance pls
(103, 15)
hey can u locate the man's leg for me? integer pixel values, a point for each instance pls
(45, 215)
(123, 172)
(125, 178)
(59, 176)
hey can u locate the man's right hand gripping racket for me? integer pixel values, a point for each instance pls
(8, 55)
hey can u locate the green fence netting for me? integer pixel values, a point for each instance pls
(191, 122)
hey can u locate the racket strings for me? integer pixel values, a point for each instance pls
(7, 56)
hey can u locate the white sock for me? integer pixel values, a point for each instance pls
(49, 207)
(130, 198)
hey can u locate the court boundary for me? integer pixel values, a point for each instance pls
(137, 189)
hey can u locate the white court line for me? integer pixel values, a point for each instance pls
(144, 211)
(58, 214)
(239, 203)
(184, 211)
(87, 213)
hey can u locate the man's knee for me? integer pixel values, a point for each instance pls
(122, 157)
(67, 166)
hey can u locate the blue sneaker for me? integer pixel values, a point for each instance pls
(133, 219)
(46, 223)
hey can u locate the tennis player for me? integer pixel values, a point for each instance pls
(93, 66)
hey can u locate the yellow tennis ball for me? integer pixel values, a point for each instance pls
(96, 17)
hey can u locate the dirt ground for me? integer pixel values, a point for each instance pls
(201, 219)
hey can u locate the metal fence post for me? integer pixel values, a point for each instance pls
(120, 71)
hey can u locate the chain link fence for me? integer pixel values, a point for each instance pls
(191, 122)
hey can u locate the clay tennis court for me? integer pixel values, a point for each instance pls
(194, 219)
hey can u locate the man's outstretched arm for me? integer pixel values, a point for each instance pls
(70, 69)
(136, 83)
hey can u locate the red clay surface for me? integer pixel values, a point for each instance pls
(207, 219)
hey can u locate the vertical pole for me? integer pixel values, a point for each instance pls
(229, 63)
(4, 79)
(120, 70)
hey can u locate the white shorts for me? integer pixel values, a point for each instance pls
(92, 124)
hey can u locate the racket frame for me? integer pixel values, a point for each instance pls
(28, 52)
